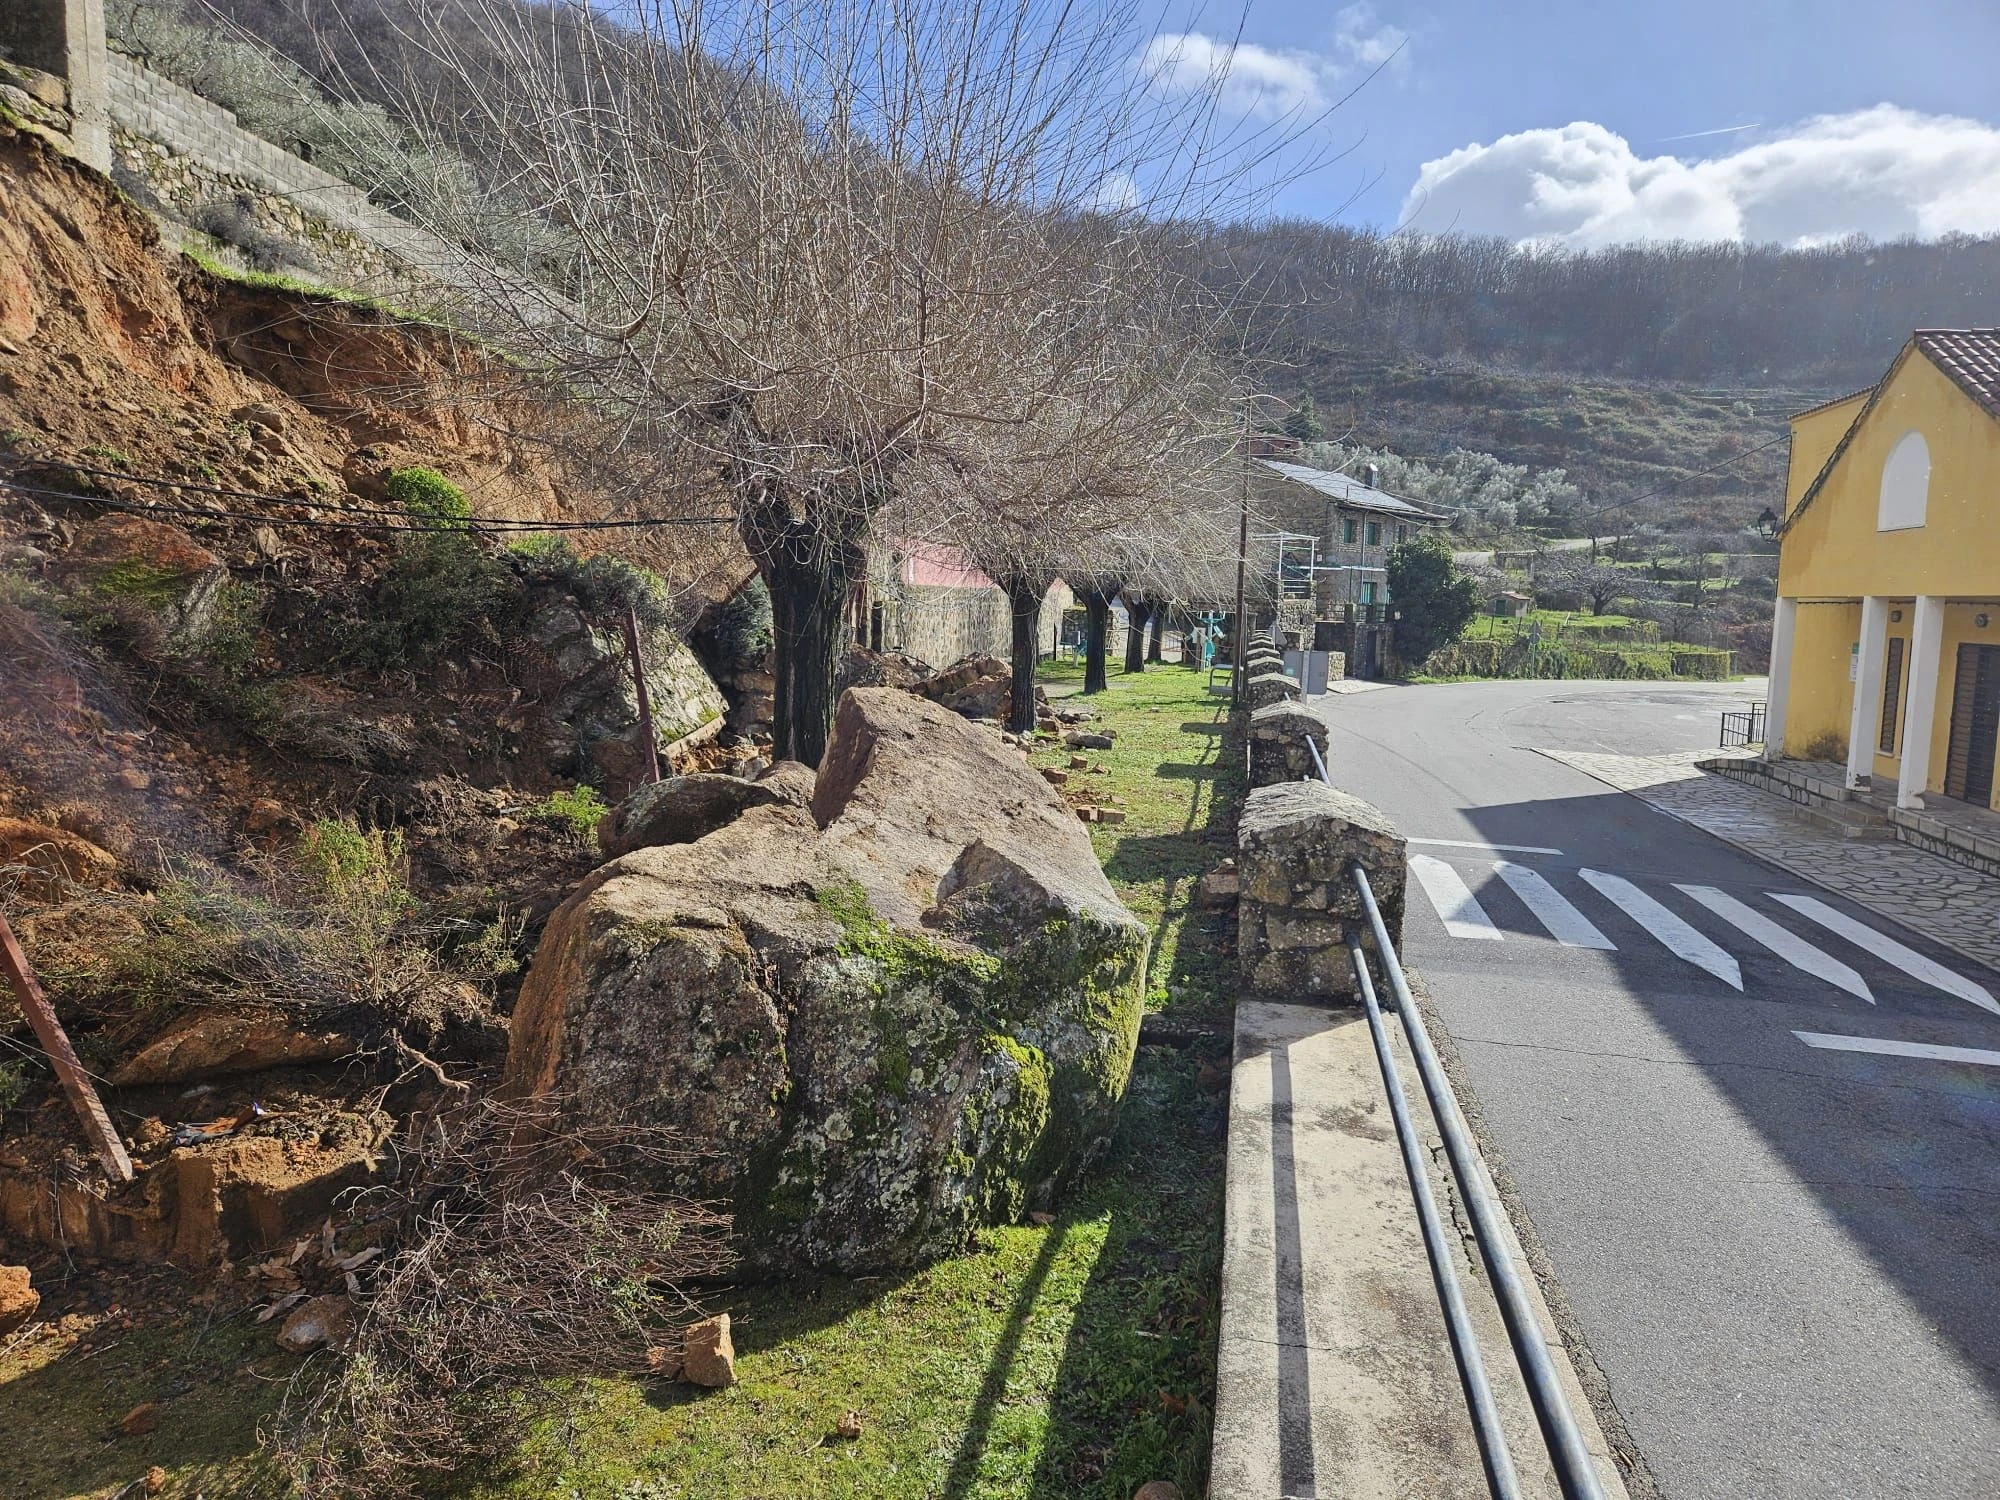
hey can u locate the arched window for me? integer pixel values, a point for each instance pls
(1906, 484)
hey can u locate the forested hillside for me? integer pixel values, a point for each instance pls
(1657, 376)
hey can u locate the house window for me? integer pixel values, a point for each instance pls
(1402, 532)
(1367, 593)
(1906, 483)
(1348, 530)
(1374, 533)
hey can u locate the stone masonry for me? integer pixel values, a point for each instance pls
(1279, 738)
(1296, 843)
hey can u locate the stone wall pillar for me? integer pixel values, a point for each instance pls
(66, 38)
(1278, 739)
(1297, 843)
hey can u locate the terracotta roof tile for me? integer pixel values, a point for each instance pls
(1970, 356)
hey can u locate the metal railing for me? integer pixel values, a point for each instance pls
(1568, 1454)
(1742, 726)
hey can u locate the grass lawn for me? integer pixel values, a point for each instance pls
(1072, 1358)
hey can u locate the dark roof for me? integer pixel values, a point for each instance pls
(1351, 492)
(1970, 356)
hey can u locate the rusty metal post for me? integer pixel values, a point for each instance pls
(639, 686)
(83, 1098)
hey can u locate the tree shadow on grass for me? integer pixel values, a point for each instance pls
(979, 1425)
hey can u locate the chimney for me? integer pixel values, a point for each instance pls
(1371, 475)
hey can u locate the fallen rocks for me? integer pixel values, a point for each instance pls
(317, 1322)
(18, 1298)
(679, 810)
(210, 1043)
(977, 687)
(791, 780)
(1081, 739)
(1218, 888)
(47, 859)
(160, 571)
(907, 1012)
(709, 1355)
(1054, 776)
(140, 1420)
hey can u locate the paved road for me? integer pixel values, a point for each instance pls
(1784, 1257)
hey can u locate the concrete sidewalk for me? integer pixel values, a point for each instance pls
(1335, 1371)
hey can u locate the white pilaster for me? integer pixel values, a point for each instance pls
(1920, 706)
(1863, 724)
(1779, 690)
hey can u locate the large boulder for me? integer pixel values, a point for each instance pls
(679, 810)
(878, 1023)
(158, 569)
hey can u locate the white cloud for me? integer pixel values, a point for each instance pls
(1269, 83)
(1365, 42)
(1117, 193)
(1884, 172)
(1246, 79)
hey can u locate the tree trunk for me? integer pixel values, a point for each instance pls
(1159, 630)
(1024, 601)
(809, 576)
(1097, 624)
(1136, 615)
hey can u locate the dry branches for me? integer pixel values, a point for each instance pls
(523, 1256)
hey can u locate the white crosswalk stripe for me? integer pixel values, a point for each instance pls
(1890, 951)
(1456, 906)
(1792, 948)
(1675, 935)
(1983, 1057)
(1552, 909)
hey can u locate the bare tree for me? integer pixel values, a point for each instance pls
(815, 253)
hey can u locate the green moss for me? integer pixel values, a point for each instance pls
(148, 583)
(847, 903)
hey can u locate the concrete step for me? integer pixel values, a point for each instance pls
(1335, 1370)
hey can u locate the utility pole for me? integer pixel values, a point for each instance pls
(1242, 562)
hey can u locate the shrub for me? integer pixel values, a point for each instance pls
(603, 586)
(742, 628)
(578, 810)
(442, 588)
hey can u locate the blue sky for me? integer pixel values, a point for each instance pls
(1867, 116)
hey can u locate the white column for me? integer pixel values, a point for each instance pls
(1863, 724)
(1781, 677)
(1920, 709)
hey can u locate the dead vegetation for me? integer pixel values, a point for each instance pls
(522, 1258)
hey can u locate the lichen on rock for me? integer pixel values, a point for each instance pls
(906, 1013)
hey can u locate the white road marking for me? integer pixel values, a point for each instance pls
(1792, 948)
(1889, 1047)
(1475, 844)
(1890, 951)
(1675, 935)
(1457, 908)
(1565, 923)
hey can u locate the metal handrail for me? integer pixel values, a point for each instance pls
(1574, 1471)
(1479, 1400)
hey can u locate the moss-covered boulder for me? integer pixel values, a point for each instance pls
(877, 1023)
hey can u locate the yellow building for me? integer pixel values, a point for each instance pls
(1885, 649)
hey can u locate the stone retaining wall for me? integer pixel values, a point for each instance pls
(1278, 741)
(191, 151)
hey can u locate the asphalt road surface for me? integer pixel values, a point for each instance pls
(1784, 1255)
